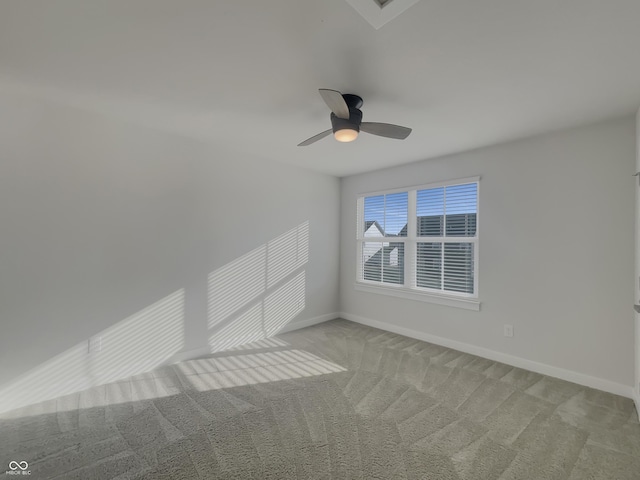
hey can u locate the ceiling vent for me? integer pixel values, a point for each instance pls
(379, 12)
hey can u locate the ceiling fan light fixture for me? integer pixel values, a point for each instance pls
(346, 119)
(345, 135)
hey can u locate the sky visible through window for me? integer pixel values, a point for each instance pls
(390, 211)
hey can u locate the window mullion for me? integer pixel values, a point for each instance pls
(444, 212)
(360, 238)
(384, 232)
(442, 266)
(444, 235)
(360, 219)
(359, 261)
(410, 246)
(475, 268)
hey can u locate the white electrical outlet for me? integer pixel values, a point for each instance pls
(508, 331)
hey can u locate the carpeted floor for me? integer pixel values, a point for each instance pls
(337, 400)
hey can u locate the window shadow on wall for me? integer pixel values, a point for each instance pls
(134, 345)
(249, 300)
(255, 296)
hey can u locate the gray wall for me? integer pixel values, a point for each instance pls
(120, 233)
(556, 221)
(637, 269)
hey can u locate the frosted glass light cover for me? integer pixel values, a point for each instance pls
(346, 135)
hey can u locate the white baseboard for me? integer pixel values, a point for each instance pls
(291, 326)
(561, 373)
(188, 355)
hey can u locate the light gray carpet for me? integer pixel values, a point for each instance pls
(338, 400)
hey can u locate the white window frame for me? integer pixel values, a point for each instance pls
(409, 290)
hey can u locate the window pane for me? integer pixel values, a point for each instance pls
(374, 216)
(386, 215)
(430, 212)
(372, 261)
(458, 267)
(393, 264)
(429, 265)
(461, 208)
(395, 218)
(383, 262)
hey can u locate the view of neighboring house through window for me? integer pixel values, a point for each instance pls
(446, 218)
(424, 238)
(385, 221)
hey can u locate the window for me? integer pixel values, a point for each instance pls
(421, 242)
(386, 220)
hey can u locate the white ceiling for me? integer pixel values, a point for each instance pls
(244, 73)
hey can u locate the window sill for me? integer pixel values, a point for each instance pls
(403, 292)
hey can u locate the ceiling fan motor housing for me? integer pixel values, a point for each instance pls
(353, 122)
(354, 102)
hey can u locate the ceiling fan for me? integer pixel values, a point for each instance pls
(346, 120)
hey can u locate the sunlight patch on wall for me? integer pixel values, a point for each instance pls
(134, 345)
(246, 328)
(284, 304)
(256, 295)
(264, 319)
(287, 253)
(141, 342)
(236, 284)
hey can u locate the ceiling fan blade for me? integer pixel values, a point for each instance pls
(385, 130)
(315, 138)
(335, 102)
